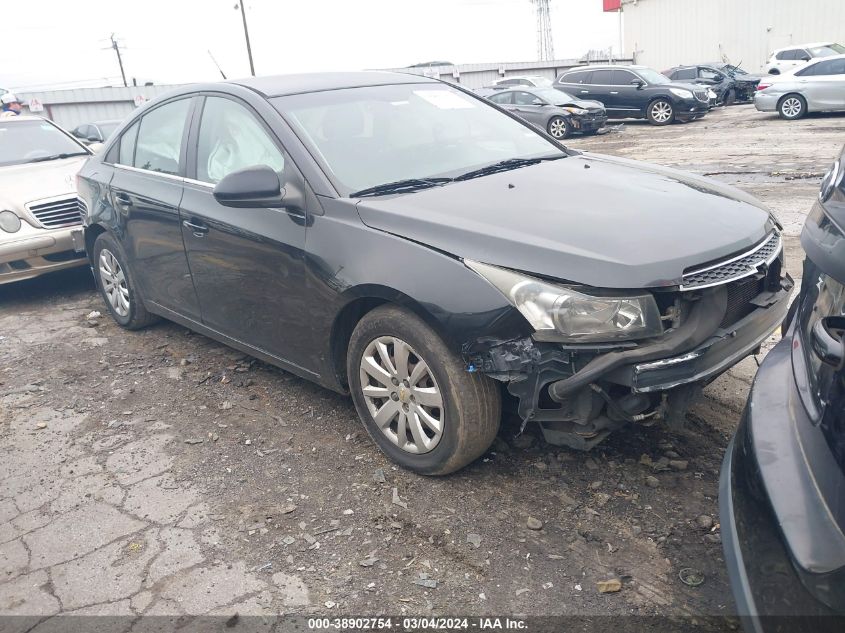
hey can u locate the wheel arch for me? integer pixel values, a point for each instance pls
(794, 94)
(361, 301)
(92, 232)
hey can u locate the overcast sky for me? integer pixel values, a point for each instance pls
(50, 43)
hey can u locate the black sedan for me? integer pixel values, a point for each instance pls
(554, 111)
(407, 242)
(730, 83)
(782, 492)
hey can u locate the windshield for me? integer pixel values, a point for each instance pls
(33, 141)
(555, 97)
(827, 50)
(375, 135)
(652, 76)
(541, 82)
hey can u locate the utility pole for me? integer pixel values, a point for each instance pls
(545, 45)
(246, 35)
(116, 48)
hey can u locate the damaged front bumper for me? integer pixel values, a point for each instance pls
(579, 393)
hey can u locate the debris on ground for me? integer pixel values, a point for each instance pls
(534, 524)
(609, 586)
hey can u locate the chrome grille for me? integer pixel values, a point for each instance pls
(735, 268)
(701, 95)
(59, 213)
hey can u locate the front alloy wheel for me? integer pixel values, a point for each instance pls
(402, 395)
(661, 112)
(117, 284)
(415, 396)
(559, 127)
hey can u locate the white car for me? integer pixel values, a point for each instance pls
(532, 81)
(785, 59)
(39, 209)
(818, 86)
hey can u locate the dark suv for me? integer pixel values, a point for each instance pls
(636, 92)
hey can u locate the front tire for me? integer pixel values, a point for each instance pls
(792, 107)
(559, 127)
(660, 112)
(118, 286)
(415, 396)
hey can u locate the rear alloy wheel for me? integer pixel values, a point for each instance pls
(415, 396)
(117, 285)
(792, 107)
(661, 112)
(559, 127)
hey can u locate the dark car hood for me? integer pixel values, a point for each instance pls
(591, 219)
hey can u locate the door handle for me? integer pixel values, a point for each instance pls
(828, 345)
(123, 199)
(199, 230)
(585, 92)
(614, 92)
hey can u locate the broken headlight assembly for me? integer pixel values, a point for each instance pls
(561, 313)
(9, 222)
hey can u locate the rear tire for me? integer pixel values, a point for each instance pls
(118, 286)
(559, 127)
(774, 71)
(395, 364)
(660, 112)
(729, 98)
(792, 107)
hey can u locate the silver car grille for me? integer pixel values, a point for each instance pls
(737, 267)
(59, 213)
(701, 95)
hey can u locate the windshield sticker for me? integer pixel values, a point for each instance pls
(444, 99)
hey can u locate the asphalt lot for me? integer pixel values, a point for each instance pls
(161, 473)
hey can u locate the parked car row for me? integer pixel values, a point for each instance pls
(817, 86)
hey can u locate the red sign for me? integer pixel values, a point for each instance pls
(612, 5)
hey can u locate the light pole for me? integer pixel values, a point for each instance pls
(246, 35)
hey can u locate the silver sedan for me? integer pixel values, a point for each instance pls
(818, 86)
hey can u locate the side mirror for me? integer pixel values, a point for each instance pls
(639, 83)
(93, 139)
(257, 186)
(538, 102)
(95, 147)
(806, 58)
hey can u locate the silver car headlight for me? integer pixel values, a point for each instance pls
(574, 110)
(680, 92)
(9, 222)
(562, 313)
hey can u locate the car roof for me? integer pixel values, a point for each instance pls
(281, 85)
(24, 117)
(810, 45)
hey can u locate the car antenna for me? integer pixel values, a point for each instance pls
(222, 74)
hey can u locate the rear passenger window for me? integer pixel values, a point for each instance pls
(623, 78)
(684, 73)
(503, 98)
(786, 55)
(575, 78)
(127, 146)
(159, 142)
(602, 78)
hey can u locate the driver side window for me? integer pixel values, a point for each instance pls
(231, 138)
(524, 98)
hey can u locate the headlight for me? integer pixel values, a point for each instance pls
(9, 222)
(711, 94)
(576, 110)
(561, 313)
(680, 92)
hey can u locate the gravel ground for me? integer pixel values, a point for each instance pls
(161, 473)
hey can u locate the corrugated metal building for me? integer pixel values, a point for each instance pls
(666, 33)
(479, 75)
(69, 108)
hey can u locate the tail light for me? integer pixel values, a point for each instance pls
(763, 86)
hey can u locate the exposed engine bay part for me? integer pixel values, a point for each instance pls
(703, 320)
